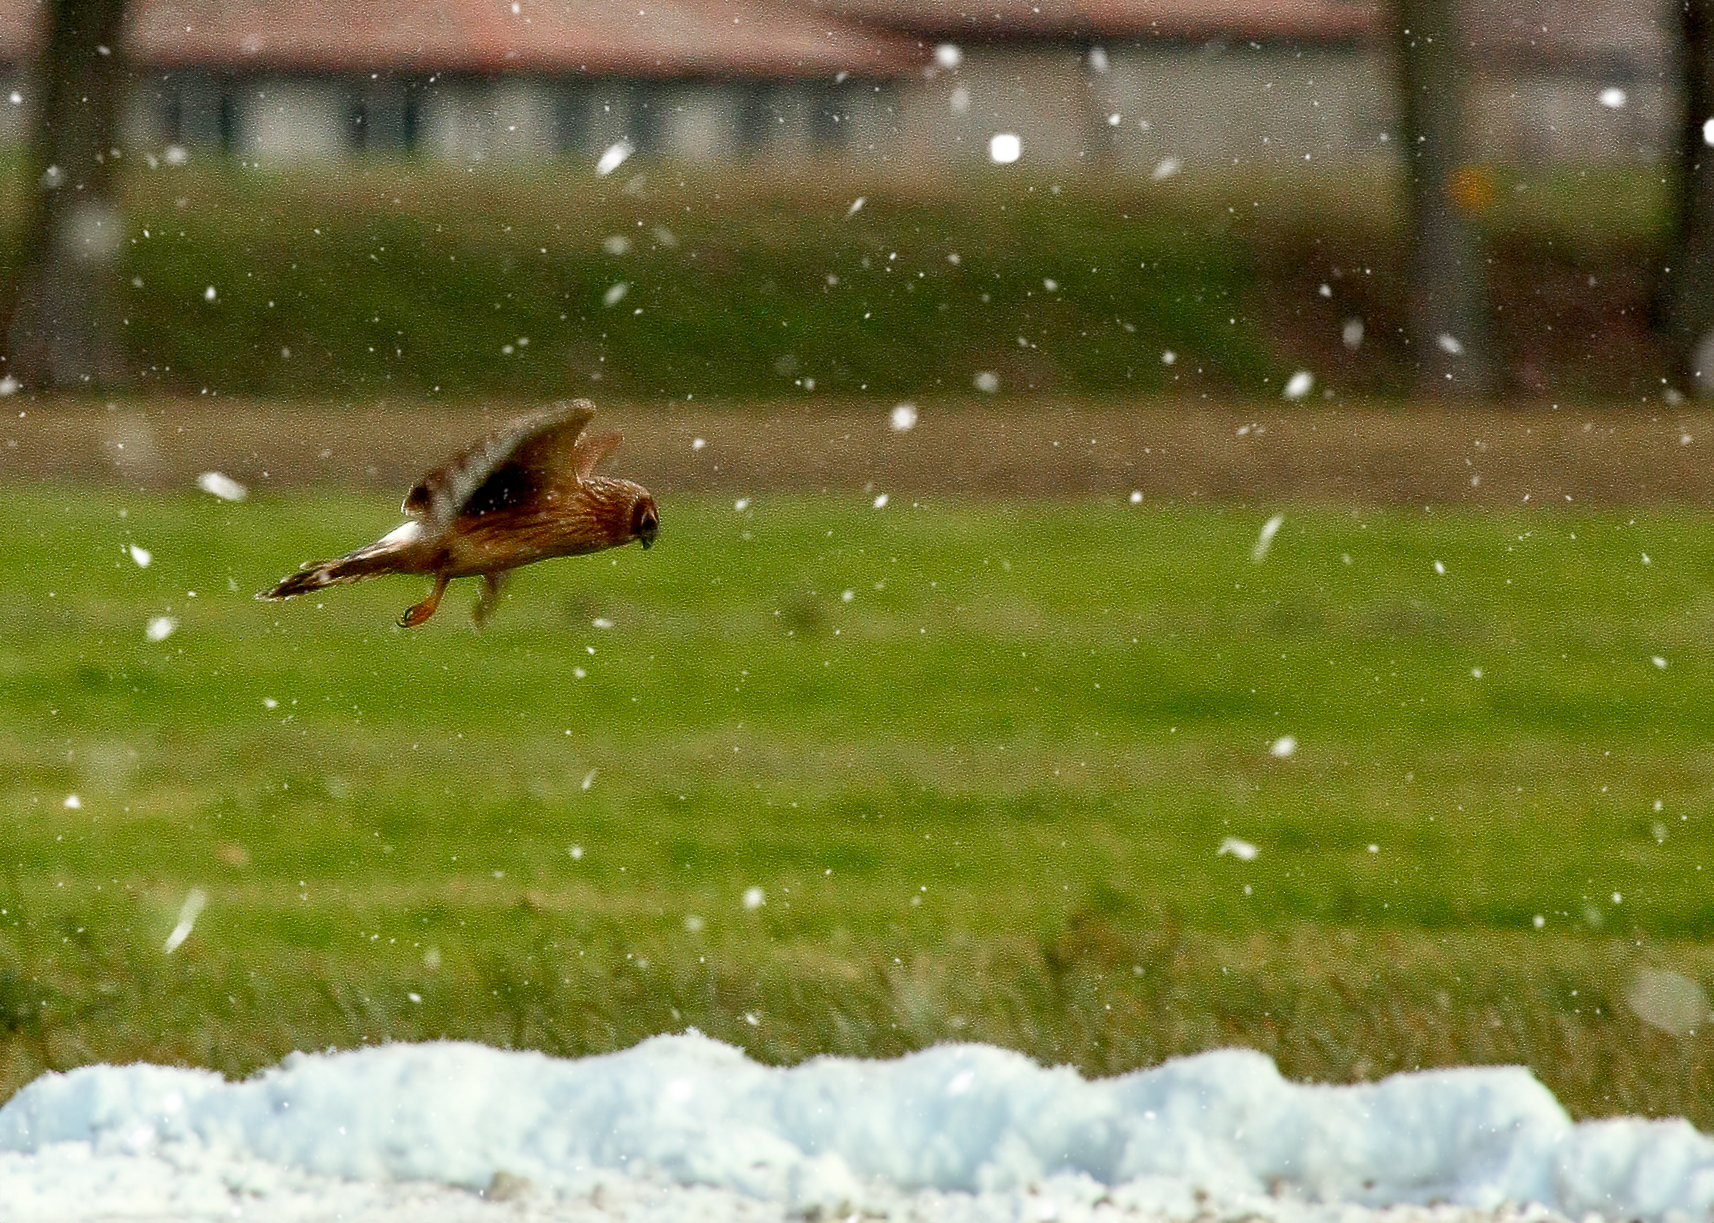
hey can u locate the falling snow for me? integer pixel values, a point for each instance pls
(1242, 850)
(1668, 1000)
(613, 157)
(222, 486)
(188, 913)
(1265, 538)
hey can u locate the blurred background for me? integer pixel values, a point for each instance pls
(713, 199)
(1183, 525)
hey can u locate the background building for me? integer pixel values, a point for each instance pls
(1131, 86)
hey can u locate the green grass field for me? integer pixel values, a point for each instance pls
(410, 280)
(979, 757)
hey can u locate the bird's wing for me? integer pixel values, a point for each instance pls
(501, 468)
(591, 448)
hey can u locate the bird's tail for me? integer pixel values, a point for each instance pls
(367, 562)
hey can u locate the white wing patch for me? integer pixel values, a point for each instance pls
(404, 533)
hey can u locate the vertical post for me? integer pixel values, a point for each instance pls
(59, 315)
(1686, 291)
(1449, 327)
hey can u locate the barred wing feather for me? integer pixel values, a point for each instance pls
(513, 460)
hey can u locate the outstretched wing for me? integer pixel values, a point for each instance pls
(591, 448)
(504, 467)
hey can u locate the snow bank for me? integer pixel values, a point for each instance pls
(953, 1130)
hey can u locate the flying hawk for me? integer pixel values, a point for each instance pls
(525, 493)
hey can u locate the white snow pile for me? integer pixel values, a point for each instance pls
(687, 1127)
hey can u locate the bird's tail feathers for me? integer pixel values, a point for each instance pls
(367, 562)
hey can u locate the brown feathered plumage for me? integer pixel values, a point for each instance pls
(523, 494)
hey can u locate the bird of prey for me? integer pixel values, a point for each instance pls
(525, 493)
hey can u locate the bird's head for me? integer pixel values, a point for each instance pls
(645, 520)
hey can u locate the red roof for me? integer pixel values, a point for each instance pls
(635, 37)
(1306, 20)
(769, 38)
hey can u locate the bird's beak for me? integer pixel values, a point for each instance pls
(648, 541)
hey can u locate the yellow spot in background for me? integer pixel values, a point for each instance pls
(1470, 188)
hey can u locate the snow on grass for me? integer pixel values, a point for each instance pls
(963, 1132)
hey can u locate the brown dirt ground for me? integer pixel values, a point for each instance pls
(1166, 450)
